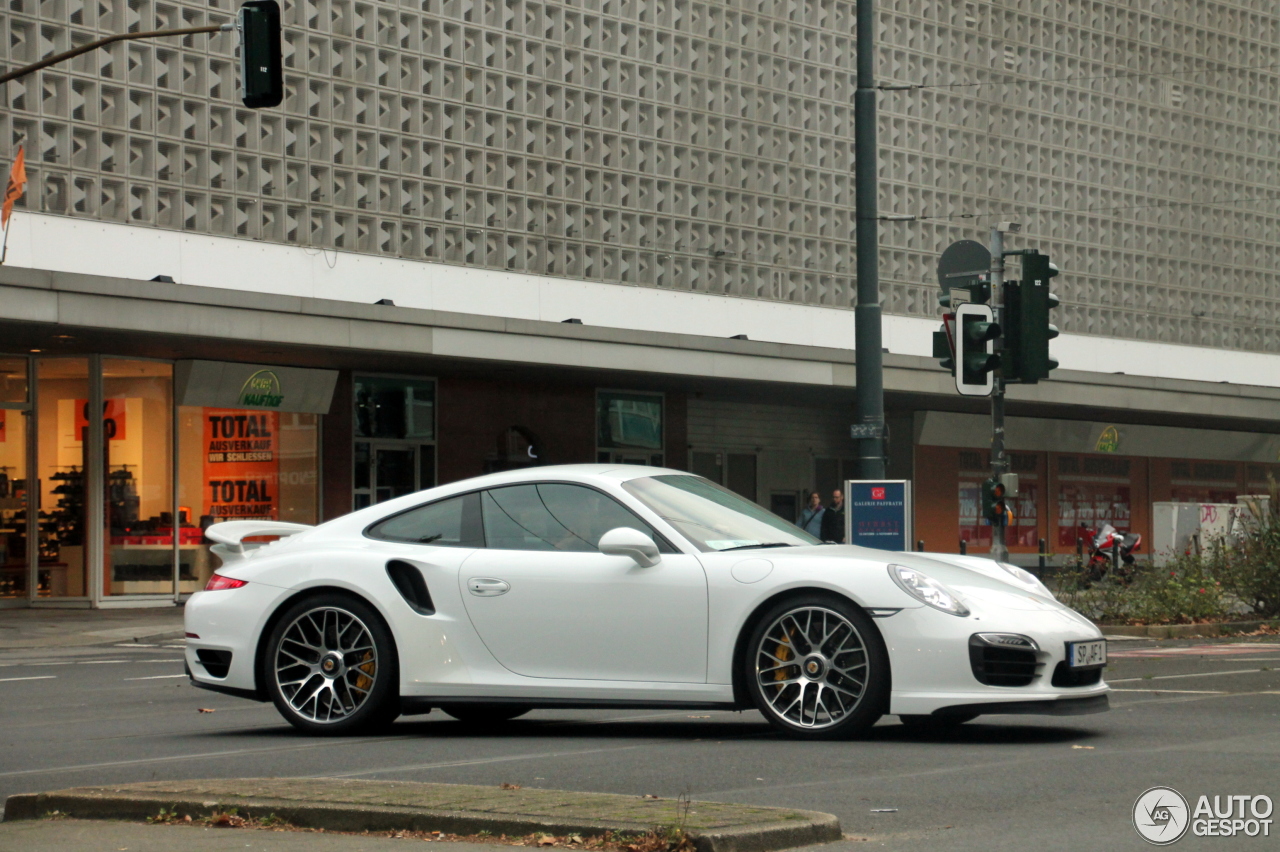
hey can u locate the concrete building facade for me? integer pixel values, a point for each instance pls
(669, 175)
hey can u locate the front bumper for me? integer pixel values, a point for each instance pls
(934, 674)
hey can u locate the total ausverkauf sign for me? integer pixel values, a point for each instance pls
(878, 513)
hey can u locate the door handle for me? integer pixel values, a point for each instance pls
(487, 587)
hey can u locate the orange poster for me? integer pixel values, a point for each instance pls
(241, 464)
(113, 420)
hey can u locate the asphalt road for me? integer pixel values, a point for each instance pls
(1201, 718)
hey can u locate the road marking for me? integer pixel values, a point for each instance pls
(1175, 677)
(328, 743)
(155, 677)
(486, 760)
(100, 662)
(38, 677)
(133, 645)
(1200, 650)
(1180, 691)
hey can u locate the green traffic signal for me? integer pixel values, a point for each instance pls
(974, 333)
(1027, 328)
(261, 72)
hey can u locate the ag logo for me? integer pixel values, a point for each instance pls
(1161, 816)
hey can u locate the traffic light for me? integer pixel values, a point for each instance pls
(994, 509)
(1027, 330)
(261, 76)
(975, 329)
(942, 349)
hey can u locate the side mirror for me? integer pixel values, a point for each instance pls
(633, 544)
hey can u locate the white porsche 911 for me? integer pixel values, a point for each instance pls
(595, 586)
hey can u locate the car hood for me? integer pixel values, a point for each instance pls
(974, 578)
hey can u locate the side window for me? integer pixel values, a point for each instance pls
(554, 516)
(450, 523)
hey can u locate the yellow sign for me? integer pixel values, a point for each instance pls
(1109, 440)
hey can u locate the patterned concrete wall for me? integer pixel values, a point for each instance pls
(704, 146)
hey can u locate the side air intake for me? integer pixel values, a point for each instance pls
(409, 583)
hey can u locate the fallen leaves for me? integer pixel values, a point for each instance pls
(507, 786)
(205, 710)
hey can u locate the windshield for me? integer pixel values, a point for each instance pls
(714, 518)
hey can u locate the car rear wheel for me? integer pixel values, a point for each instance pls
(817, 668)
(484, 714)
(331, 666)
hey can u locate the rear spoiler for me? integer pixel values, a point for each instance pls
(230, 535)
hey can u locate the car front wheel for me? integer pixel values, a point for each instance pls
(331, 666)
(817, 668)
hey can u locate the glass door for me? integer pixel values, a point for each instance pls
(385, 470)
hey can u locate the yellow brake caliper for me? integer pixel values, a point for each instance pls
(369, 668)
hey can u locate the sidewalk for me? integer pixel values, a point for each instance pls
(386, 806)
(66, 628)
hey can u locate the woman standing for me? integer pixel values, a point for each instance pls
(811, 517)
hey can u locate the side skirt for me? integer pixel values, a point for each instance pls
(1060, 707)
(424, 704)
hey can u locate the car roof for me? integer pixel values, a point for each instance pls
(580, 472)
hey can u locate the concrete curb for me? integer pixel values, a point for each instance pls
(728, 828)
(1182, 631)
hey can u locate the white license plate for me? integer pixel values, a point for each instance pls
(1084, 654)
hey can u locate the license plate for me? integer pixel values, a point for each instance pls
(1085, 654)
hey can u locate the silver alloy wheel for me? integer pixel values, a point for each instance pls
(812, 667)
(326, 664)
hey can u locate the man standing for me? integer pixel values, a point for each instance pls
(833, 519)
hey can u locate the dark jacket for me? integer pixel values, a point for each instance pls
(833, 524)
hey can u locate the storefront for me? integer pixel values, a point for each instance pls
(1075, 476)
(111, 509)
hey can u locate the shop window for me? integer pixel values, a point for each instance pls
(388, 407)
(394, 453)
(247, 464)
(629, 428)
(137, 464)
(1092, 491)
(62, 393)
(14, 571)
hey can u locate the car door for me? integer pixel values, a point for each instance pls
(548, 604)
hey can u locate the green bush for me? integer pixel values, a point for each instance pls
(1183, 591)
(1249, 566)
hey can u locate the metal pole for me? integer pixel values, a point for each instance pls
(999, 462)
(103, 42)
(870, 365)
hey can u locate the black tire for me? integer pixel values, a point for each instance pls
(331, 668)
(484, 714)
(936, 724)
(811, 687)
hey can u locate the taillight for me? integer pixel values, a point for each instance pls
(218, 582)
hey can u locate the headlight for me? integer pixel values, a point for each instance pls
(927, 590)
(1027, 579)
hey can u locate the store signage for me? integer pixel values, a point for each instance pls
(1109, 440)
(262, 389)
(878, 513)
(241, 464)
(224, 384)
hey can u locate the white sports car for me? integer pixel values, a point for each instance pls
(587, 586)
